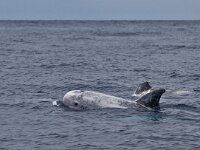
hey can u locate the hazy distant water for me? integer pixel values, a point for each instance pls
(41, 60)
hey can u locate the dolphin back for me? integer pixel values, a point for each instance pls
(142, 87)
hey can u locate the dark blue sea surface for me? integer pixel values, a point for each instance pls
(41, 60)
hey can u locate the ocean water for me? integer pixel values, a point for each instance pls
(41, 60)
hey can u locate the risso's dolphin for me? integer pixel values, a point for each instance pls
(142, 89)
(145, 88)
(80, 100)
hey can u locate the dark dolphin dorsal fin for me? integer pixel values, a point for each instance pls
(152, 98)
(142, 87)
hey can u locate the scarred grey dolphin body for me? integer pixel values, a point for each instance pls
(78, 99)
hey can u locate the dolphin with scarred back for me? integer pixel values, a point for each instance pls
(84, 100)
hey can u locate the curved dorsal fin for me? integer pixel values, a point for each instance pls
(152, 98)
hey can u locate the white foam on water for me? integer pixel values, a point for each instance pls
(182, 92)
(55, 103)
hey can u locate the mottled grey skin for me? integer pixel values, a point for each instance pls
(79, 100)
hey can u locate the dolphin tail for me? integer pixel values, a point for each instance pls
(142, 87)
(152, 98)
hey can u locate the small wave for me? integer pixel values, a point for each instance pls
(27, 103)
(140, 69)
(196, 89)
(180, 106)
(16, 104)
(174, 74)
(172, 47)
(178, 92)
(48, 66)
(57, 135)
(184, 106)
(126, 34)
(182, 92)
